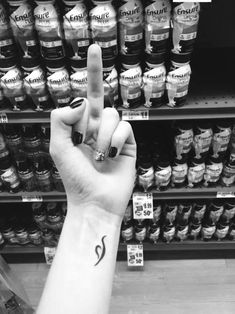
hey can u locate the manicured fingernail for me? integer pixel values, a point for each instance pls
(99, 155)
(113, 152)
(77, 138)
(76, 103)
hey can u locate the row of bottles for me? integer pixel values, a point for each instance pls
(182, 220)
(54, 26)
(25, 163)
(201, 155)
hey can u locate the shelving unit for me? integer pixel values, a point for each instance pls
(186, 249)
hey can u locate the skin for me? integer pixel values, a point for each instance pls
(80, 279)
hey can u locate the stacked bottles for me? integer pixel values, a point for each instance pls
(25, 163)
(200, 155)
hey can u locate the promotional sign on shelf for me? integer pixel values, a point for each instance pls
(49, 253)
(131, 115)
(142, 205)
(33, 198)
(135, 255)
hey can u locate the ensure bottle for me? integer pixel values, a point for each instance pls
(157, 25)
(48, 26)
(110, 77)
(78, 78)
(13, 86)
(131, 82)
(35, 84)
(22, 24)
(154, 81)
(7, 44)
(131, 26)
(76, 28)
(104, 27)
(58, 82)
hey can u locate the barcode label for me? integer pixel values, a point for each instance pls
(225, 194)
(3, 118)
(33, 198)
(49, 253)
(131, 115)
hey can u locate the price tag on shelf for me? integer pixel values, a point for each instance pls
(135, 255)
(225, 194)
(3, 118)
(142, 205)
(33, 198)
(132, 115)
(49, 253)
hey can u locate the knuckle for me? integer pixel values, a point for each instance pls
(111, 112)
(55, 115)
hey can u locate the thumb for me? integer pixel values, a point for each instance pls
(62, 121)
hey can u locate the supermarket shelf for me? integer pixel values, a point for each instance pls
(205, 106)
(194, 193)
(183, 193)
(53, 196)
(186, 249)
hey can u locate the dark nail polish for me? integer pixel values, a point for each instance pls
(76, 103)
(113, 152)
(77, 138)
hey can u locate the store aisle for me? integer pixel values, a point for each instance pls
(174, 287)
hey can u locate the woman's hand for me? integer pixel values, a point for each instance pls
(98, 165)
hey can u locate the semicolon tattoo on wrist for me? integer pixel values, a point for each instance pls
(100, 250)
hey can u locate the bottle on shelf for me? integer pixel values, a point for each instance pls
(104, 27)
(183, 139)
(22, 235)
(39, 214)
(154, 79)
(12, 84)
(208, 228)
(229, 209)
(179, 172)
(31, 140)
(78, 78)
(184, 210)
(168, 231)
(162, 173)
(222, 228)
(196, 169)
(26, 174)
(35, 84)
(182, 229)
(127, 232)
(128, 213)
(58, 82)
(47, 24)
(145, 173)
(35, 235)
(157, 211)
(140, 231)
(110, 77)
(228, 173)
(58, 183)
(170, 211)
(221, 138)
(22, 24)
(9, 176)
(195, 227)
(48, 238)
(231, 233)
(157, 25)
(13, 138)
(215, 210)
(45, 131)
(54, 217)
(76, 29)
(213, 170)
(7, 42)
(202, 140)
(199, 209)
(43, 174)
(4, 152)
(130, 81)
(131, 30)
(153, 232)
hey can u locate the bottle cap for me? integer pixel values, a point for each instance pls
(204, 125)
(180, 58)
(223, 124)
(218, 159)
(78, 64)
(7, 62)
(155, 58)
(28, 63)
(55, 63)
(130, 59)
(181, 161)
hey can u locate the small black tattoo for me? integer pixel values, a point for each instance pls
(103, 250)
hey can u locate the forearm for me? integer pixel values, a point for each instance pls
(84, 264)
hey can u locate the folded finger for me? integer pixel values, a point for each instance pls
(109, 121)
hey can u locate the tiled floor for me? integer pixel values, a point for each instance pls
(174, 287)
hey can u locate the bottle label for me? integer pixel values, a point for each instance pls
(200, 213)
(157, 213)
(215, 214)
(127, 234)
(169, 235)
(154, 84)
(177, 83)
(229, 213)
(104, 28)
(195, 173)
(154, 235)
(48, 26)
(76, 29)
(12, 83)
(146, 177)
(195, 232)
(32, 143)
(140, 235)
(79, 84)
(183, 142)
(221, 140)
(163, 176)
(185, 23)
(59, 87)
(157, 20)
(111, 87)
(182, 234)
(221, 233)
(179, 173)
(25, 175)
(208, 232)
(35, 83)
(202, 141)
(10, 177)
(131, 82)
(213, 172)
(171, 215)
